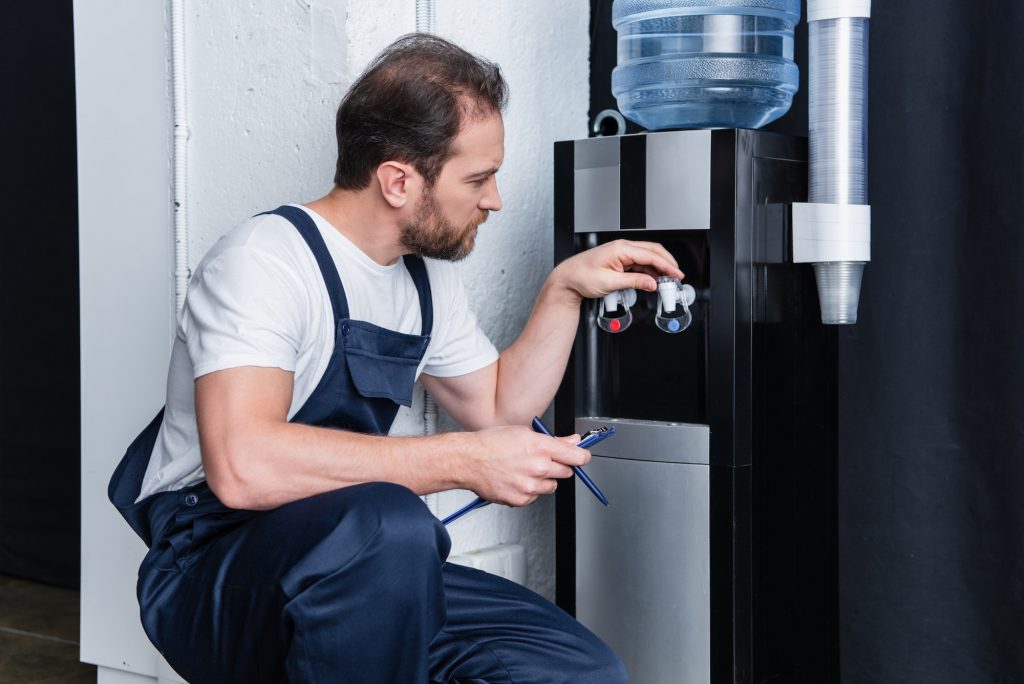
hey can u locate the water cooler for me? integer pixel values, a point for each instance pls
(716, 560)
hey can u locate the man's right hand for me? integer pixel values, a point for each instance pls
(515, 465)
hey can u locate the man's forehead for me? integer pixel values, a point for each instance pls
(481, 139)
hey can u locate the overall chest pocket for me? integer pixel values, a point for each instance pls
(382, 363)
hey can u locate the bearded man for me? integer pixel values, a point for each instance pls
(287, 538)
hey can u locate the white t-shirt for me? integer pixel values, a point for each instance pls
(258, 299)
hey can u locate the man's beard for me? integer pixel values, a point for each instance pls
(430, 234)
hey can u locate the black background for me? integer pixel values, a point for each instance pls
(931, 465)
(39, 350)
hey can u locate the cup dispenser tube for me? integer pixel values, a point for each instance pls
(833, 229)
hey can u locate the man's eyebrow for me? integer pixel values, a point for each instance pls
(483, 174)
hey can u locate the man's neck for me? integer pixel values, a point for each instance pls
(360, 218)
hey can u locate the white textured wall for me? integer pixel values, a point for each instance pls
(265, 80)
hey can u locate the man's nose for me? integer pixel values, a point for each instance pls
(491, 201)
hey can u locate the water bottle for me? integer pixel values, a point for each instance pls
(705, 63)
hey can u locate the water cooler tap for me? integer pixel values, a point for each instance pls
(674, 301)
(614, 314)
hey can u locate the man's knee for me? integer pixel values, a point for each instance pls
(406, 527)
(393, 525)
(599, 665)
(607, 668)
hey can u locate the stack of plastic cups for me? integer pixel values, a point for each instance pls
(838, 122)
(833, 229)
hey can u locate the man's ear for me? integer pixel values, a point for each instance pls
(397, 181)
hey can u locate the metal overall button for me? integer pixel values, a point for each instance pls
(191, 499)
(344, 328)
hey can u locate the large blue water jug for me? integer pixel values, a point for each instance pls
(705, 63)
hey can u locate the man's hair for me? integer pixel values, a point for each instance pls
(409, 105)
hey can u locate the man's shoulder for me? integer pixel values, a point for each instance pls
(269, 232)
(265, 238)
(260, 265)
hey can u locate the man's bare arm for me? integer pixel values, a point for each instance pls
(255, 459)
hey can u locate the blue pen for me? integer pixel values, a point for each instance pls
(590, 438)
(477, 503)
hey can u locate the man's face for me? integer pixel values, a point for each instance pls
(445, 220)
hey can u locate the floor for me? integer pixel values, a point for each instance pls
(39, 635)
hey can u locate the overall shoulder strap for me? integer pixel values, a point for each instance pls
(309, 232)
(418, 270)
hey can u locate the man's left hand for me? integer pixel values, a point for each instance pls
(617, 265)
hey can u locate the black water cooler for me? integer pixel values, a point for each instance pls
(716, 560)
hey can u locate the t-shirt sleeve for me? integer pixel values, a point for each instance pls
(458, 345)
(243, 309)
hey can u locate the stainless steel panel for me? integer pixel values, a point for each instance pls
(643, 567)
(679, 180)
(592, 153)
(650, 440)
(596, 184)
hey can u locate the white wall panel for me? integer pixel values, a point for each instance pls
(126, 305)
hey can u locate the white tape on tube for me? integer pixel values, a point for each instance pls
(818, 10)
(831, 232)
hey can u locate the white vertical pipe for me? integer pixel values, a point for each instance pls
(424, 16)
(430, 414)
(179, 104)
(430, 428)
(425, 24)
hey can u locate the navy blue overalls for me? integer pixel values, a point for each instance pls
(349, 585)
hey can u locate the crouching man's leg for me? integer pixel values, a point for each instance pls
(501, 633)
(343, 586)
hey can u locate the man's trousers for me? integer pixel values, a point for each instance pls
(346, 586)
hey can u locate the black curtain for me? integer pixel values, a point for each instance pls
(931, 466)
(931, 470)
(39, 357)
